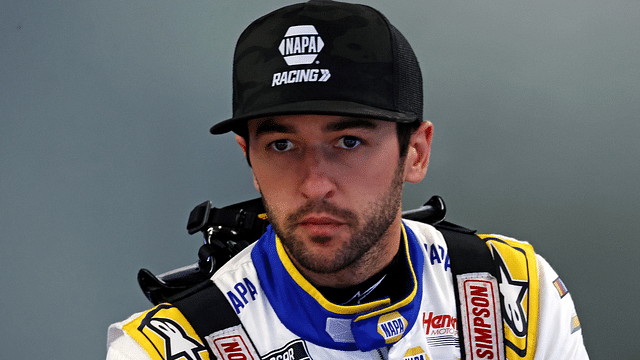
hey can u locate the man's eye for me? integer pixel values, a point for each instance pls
(281, 145)
(348, 142)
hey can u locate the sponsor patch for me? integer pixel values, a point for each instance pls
(232, 344)
(575, 324)
(295, 350)
(392, 326)
(439, 255)
(415, 353)
(562, 289)
(517, 275)
(439, 324)
(300, 46)
(441, 330)
(242, 293)
(514, 293)
(165, 334)
(481, 318)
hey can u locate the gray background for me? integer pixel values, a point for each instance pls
(104, 148)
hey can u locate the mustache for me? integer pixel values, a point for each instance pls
(316, 207)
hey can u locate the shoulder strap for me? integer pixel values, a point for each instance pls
(468, 254)
(207, 310)
(209, 313)
(467, 251)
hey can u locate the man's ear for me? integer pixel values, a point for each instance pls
(243, 144)
(417, 161)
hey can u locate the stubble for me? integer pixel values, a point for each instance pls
(366, 232)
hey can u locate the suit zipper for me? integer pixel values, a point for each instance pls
(379, 353)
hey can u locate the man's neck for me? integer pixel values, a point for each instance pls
(393, 282)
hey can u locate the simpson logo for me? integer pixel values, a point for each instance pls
(392, 326)
(482, 325)
(232, 344)
(300, 46)
(295, 350)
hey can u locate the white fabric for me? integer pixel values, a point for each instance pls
(555, 338)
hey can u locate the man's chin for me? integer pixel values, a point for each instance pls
(320, 262)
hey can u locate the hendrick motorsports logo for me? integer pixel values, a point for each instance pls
(300, 46)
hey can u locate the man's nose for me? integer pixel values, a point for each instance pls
(318, 180)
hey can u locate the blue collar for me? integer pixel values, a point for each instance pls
(309, 315)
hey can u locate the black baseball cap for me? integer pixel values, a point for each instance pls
(324, 57)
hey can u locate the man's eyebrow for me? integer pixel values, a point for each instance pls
(351, 123)
(270, 126)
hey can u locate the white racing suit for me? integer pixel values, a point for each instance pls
(284, 317)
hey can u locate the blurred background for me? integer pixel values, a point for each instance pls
(105, 108)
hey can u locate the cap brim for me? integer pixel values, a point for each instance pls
(317, 107)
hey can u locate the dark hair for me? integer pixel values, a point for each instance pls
(403, 132)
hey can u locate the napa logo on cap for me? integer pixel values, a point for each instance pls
(392, 326)
(300, 46)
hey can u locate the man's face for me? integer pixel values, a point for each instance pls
(332, 185)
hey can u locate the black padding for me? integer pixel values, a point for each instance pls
(208, 311)
(468, 252)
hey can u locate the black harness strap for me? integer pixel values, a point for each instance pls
(468, 253)
(208, 311)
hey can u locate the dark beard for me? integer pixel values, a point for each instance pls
(378, 218)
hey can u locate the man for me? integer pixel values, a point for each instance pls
(327, 107)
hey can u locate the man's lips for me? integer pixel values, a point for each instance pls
(320, 221)
(321, 226)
